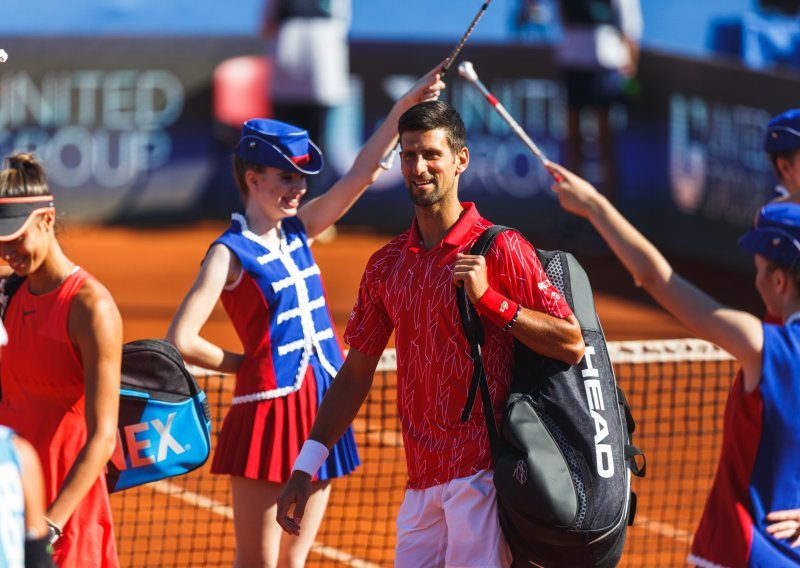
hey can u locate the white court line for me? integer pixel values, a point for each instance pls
(223, 510)
(663, 529)
(656, 527)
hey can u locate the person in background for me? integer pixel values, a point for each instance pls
(263, 271)
(759, 465)
(60, 369)
(598, 57)
(307, 42)
(782, 145)
(24, 533)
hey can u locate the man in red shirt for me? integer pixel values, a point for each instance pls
(448, 516)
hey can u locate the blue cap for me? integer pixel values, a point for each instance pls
(274, 143)
(783, 132)
(776, 235)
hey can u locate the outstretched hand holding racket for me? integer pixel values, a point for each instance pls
(467, 71)
(575, 194)
(388, 160)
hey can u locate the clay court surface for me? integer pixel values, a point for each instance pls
(185, 521)
(149, 271)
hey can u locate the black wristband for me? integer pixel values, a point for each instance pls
(53, 531)
(36, 553)
(514, 319)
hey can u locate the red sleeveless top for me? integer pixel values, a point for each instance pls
(43, 400)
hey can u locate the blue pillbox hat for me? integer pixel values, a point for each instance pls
(783, 132)
(776, 235)
(274, 143)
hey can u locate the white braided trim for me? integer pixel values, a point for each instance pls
(648, 351)
(265, 395)
(702, 562)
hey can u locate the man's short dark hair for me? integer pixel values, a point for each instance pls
(434, 115)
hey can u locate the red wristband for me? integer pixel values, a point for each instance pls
(496, 308)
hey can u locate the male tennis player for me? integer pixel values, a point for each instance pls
(448, 516)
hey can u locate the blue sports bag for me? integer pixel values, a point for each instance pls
(164, 420)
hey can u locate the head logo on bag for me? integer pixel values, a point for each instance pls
(563, 456)
(594, 397)
(164, 421)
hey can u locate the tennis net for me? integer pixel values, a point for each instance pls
(676, 390)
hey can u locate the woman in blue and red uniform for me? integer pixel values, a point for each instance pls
(759, 465)
(264, 272)
(60, 369)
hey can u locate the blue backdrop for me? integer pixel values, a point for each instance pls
(678, 26)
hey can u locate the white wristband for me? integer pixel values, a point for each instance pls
(311, 457)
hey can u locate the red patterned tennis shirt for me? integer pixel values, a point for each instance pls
(410, 290)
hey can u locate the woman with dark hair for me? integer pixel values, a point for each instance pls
(60, 369)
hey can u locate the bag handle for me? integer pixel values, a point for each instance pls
(473, 329)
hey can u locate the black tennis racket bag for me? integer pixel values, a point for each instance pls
(563, 455)
(164, 420)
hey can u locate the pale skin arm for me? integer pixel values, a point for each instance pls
(633, 52)
(785, 525)
(32, 488)
(269, 23)
(220, 268)
(553, 337)
(337, 411)
(95, 328)
(321, 212)
(738, 332)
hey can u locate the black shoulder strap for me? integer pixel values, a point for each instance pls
(474, 332)
(8, 286)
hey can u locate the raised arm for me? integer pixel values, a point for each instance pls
(736, 331)
(219, 268)
(95, 328)
(269, 21)
(321, 212)
(338, 410)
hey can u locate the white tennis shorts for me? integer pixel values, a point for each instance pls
(453, 525)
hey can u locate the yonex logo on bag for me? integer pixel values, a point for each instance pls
(139, 444)
(521, 472)
(594, 396)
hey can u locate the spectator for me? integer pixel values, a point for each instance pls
(598, 56)
(782, 145)
(307, 40)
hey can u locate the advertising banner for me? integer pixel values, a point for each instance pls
(129, 131)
